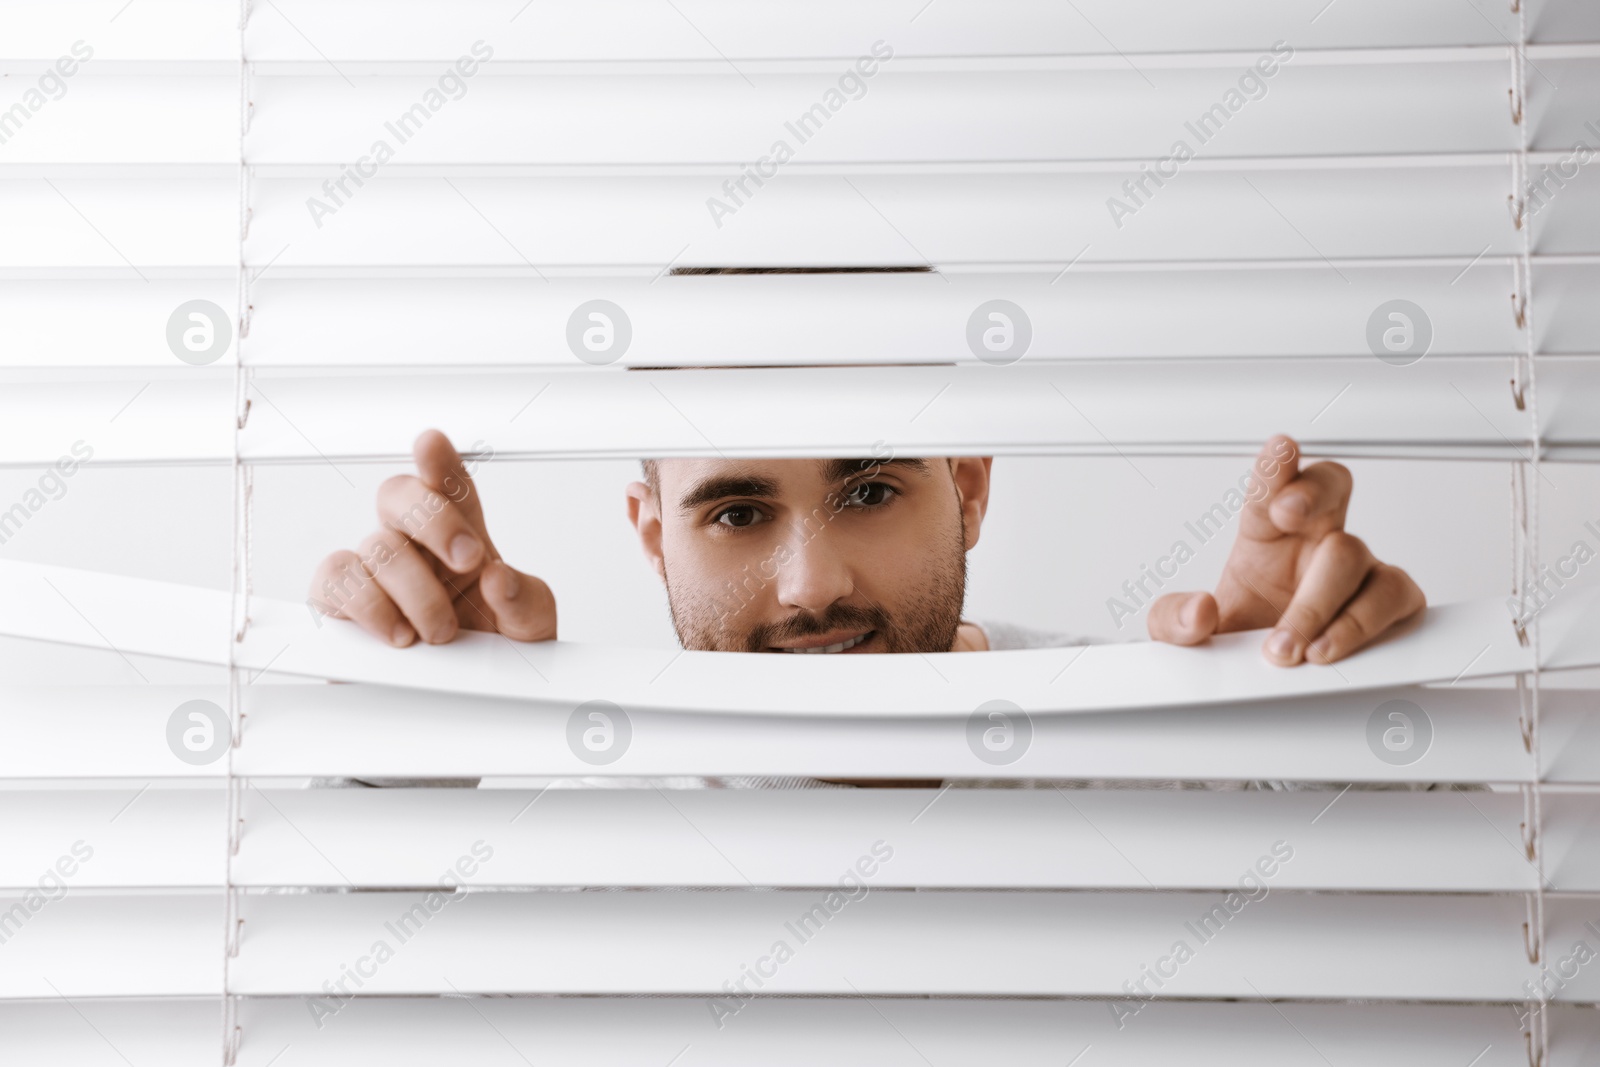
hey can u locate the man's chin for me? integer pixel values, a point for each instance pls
(884, 637)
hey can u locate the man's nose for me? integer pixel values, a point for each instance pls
(817, 573)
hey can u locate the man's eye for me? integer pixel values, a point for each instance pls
(869, 495)
(739, 515)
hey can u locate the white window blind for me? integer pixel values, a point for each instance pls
(196, 153)
(986, 894)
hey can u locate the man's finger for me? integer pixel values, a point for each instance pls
(522, 606)
(1277, 465)
(1388, 596)
(345, 589)
(1183, 618)
(442, 469)
(421, 513)
(1339, 565)
(1315, 502)
(409, 581)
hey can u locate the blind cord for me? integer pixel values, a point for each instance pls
(240, 580)
(1526, 501)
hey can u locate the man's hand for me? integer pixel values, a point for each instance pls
(432, 570)
(1294, 568)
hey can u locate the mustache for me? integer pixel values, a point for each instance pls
(802, 624)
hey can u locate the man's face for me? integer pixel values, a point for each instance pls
(813, 556)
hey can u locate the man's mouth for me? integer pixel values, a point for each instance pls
(827, 643)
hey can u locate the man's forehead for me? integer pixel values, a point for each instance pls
(687, 468)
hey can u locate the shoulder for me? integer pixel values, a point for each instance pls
(1005, 635)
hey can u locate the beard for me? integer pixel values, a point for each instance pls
(925, 621)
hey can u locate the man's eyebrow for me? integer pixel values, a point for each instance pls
(721, 487)
(842, 470)
(724, 486)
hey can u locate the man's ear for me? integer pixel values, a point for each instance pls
(644, 512)
(971, 475)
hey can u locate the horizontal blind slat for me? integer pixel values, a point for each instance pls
(415, 29)
(381, 732)
(943, 220)
(891, 318)
(428, 217)
(897, 114)
(45, 326)
(1037, 838)
(139, 835)
(958, 942)
(160, 30)
(374, 731)
(619, 1032)
(715, 114)
(1437, 408)
(124, 225)
(124, 118)
(481, 316)
(158, 837)
(643, 30)
(88, 944)
(55, 603)
(1090, 407)
(1293, 945)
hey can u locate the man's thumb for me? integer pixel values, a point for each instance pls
(1183, 618)
(524, 607)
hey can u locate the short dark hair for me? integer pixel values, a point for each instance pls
(652, 477)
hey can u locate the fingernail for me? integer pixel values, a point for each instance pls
(509, 586)
(1281, 644)
(403, 635)
(1190, 615)
(1319, 649)
(1296, 505)
(464, 550)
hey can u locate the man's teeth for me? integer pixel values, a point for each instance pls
(840, 647)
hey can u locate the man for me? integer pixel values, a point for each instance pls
(851, 557)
